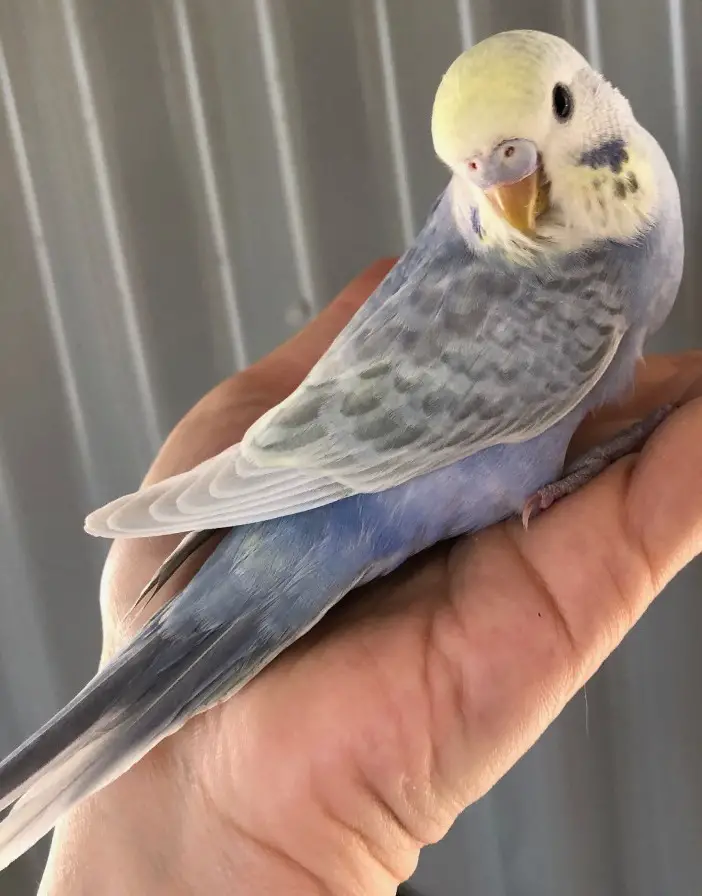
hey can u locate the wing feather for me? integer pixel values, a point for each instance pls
(187, 502)
(466, 360)
(453, 353)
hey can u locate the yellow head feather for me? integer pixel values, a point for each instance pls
(500, 83)
(502, 89)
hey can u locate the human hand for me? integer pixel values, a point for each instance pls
(365, 740)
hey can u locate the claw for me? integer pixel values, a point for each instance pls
(538, 502)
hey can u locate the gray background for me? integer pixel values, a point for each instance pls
(180, 185)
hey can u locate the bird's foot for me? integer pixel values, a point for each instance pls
(588, 465)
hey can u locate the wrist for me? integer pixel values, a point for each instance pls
(98, 850)
(142, 835)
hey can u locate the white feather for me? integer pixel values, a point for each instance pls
(221, 492)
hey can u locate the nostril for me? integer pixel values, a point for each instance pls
(509, 151)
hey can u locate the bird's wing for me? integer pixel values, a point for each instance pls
(223, 491)
(459, 354)
(458, 359)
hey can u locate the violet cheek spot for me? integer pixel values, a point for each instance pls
(612, 155)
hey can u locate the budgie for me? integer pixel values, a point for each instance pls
(444, 406)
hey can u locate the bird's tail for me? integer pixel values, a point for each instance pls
(148, 691)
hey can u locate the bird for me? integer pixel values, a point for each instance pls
(444, 406)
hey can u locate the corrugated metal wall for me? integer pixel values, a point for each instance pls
(181, 183)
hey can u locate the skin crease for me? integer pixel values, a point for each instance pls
(411, 699)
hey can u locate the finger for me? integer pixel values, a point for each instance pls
(660, 379)
(305, 348)
(590, 567)
(280, 372)
(634, 528)
(222, 416)
(623, 537)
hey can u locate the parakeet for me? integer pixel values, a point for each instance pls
(445, 405)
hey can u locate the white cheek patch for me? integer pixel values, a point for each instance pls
(610, 192)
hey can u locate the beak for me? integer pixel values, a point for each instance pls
(521, 202)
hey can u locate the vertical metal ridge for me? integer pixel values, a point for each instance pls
(225, 265)
(111, 224)
(593, 42)
(392, 101)
(680, 92)
(45, 270)
(289, 169)
(465, 23)
(681, 114)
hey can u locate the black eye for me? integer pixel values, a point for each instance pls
(562, 102)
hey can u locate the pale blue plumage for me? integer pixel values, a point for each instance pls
(449, 400)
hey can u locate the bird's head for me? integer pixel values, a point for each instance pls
(543, 149)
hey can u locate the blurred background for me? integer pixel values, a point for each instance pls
(182, 184)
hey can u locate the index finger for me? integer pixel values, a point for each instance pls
(660, 380)
(224, 414)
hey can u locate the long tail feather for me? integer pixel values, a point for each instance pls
(161, 679)
(262, 588)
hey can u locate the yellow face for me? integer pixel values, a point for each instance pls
(496, 90)
(541, 146)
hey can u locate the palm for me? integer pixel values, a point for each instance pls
(418, 692)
